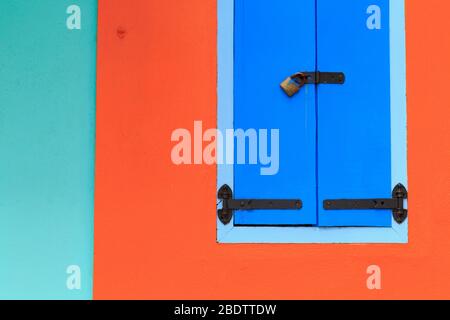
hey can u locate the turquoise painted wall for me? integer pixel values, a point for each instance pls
(47, 133)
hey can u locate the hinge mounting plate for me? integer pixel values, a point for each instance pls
(396, 204)
(229, 205)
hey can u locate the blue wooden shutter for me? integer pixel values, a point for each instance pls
(274, 39)
(354, 137)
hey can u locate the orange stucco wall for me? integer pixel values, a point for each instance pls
(155, 222)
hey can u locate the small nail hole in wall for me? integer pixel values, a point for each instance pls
(121, 32)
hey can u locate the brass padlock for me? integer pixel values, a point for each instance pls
(293, 84)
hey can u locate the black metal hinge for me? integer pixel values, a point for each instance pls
(229, 205)
(396, 204)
